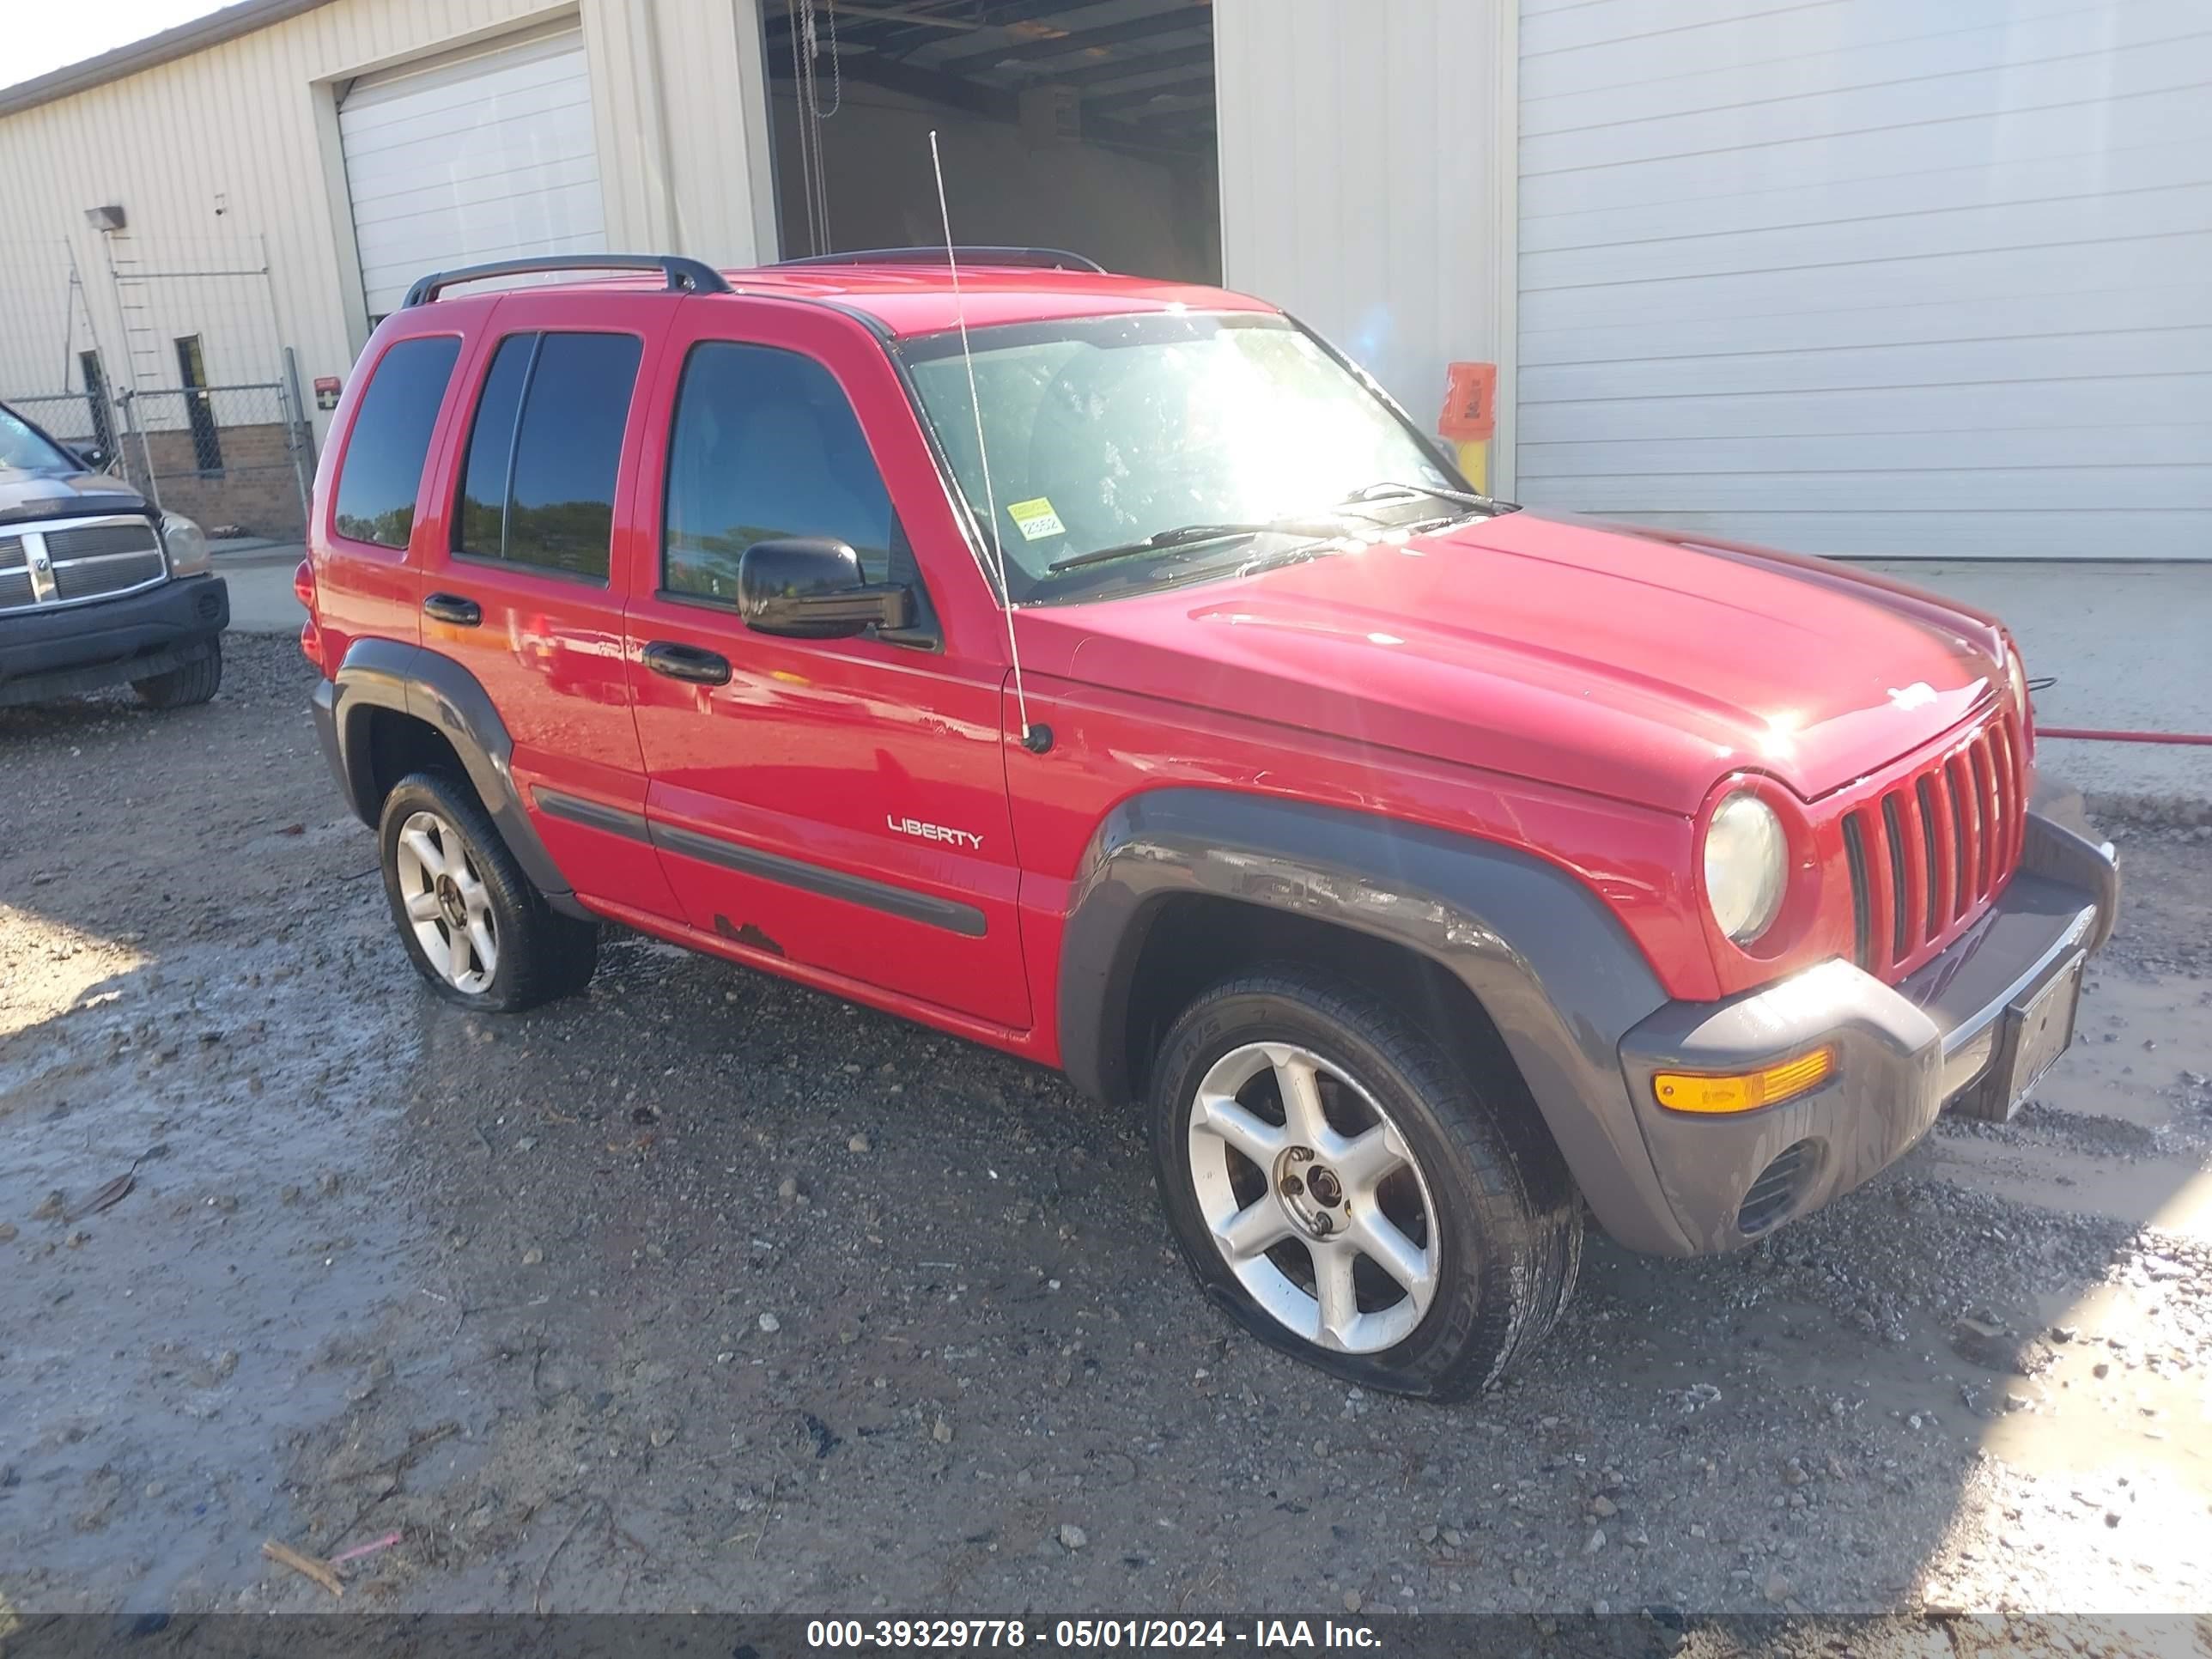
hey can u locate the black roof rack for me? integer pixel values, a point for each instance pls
(685, 276)
(1041, 259)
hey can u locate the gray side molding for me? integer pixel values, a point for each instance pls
(1555, 969)
(438, 691)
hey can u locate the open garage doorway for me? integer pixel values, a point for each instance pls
(1087, 127)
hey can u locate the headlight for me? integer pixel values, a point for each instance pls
(186, 543)
(1747, 864)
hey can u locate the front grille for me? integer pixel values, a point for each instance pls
(91, 578)
(1855, 855)
(72, 560)
(98, 540)
(1932, 850)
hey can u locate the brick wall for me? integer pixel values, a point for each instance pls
(256, 489)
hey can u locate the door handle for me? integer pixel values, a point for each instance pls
(453, 608)
(686, 662)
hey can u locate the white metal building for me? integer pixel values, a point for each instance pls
(1873, 277)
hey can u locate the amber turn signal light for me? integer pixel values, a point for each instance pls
(1743, 1091)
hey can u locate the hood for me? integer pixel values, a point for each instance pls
(1635, 665)
(62, 495)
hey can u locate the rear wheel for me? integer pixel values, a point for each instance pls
(473, 925)
(1352, 1194)
(196, 682)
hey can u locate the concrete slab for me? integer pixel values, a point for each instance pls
(261, 597)
(2131, 646)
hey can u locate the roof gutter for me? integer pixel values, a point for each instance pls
(182, 42)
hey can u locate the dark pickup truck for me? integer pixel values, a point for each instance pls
(98, 586)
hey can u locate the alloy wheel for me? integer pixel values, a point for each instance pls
(448, 905)
(1314, 1198)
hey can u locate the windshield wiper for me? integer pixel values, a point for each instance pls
(1464, 497)
(1188, 535)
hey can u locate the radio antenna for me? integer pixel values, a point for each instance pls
(1035, 738)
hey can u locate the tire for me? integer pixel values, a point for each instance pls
(180, 688)
(448, 876)
(1478, 1190)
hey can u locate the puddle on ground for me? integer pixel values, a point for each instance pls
(2110, 1071)
(160, 1351)
(2118, 1127)
(2173, 1195)
(2150, 1408)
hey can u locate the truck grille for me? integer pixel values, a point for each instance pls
(69, 560)
(96, 541)
(15, 578)
(110, 573)
(1928, 852)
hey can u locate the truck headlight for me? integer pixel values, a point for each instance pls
(186, 543)
(1747, 864)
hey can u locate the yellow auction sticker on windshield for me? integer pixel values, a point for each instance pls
(1035, 520)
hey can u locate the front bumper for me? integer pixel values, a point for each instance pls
(61, 650)
(1904, 1053)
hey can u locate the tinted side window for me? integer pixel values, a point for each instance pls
(383, 464)
(539, 484)
(480, 525)
(765, 445)
(561, 500)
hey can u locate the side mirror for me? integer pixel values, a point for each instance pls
(92, 456)
(810, 587)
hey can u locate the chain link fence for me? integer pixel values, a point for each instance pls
(122, 348)
(82, 422)
(235, 458)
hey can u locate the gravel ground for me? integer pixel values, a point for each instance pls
(704, 1291)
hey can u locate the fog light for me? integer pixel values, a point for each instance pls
(1743, 1091)
(1771, 1196)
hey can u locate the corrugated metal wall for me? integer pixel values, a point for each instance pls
(1361, 179)
(236, 145)
(488, 156)
(1872, 275)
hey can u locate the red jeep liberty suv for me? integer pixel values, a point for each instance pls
(1125, 681)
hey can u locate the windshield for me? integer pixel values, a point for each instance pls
(1104, 433)
(25, 448)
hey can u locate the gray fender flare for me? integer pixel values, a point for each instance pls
(438, 692)
(1552, 966)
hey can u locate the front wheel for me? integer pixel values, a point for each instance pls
(196, 682)
(1344, 1187)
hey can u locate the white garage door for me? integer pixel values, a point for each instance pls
(1874, 276)
(487, 156)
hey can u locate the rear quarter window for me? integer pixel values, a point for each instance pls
(382, 469)
(544, 449)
